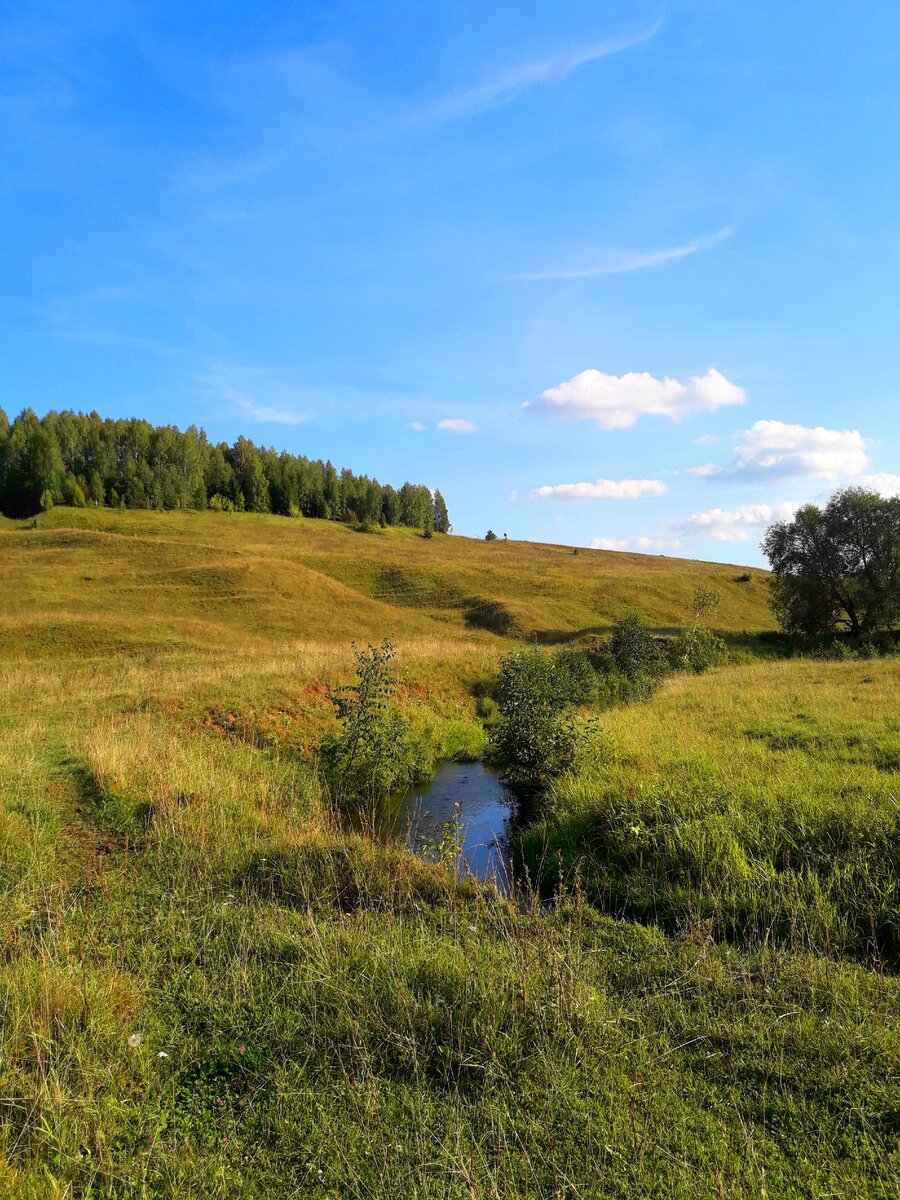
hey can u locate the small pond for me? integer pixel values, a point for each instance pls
(466, 803)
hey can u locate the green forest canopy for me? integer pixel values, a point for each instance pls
(77, 459)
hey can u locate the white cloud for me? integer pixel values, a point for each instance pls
(601, 489)
(886, 485)
(416, 426)
(456, 425)
(636, 260)
(706, 439)
(513, 496)
(256, 392)
(617, 401)
(509, 84)
(707, 469)
(639, 543)
(774, 450)
(735, 525)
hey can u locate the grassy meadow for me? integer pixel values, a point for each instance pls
(209, 989)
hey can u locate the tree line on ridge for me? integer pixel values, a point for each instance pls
(83, 459)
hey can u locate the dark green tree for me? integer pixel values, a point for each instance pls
(76, 458)
(33, 469)
(441, 516)
(837, 566)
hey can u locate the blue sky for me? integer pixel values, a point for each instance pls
(611, 273)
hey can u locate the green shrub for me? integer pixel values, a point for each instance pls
(634, 648)
(533, 739)
(832, 649)
(576, 679)
(697, 650)
(368, 758)
(614, 688)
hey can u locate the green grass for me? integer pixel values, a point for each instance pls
(759, 802)
(207, 989)
(219, 574)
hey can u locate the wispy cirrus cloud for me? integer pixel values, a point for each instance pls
(617, 401)
(622, 262)
(511, 83)
(601, 489)
(256, 392)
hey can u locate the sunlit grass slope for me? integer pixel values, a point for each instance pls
(209, 990)
(103, 577)
(760, 803)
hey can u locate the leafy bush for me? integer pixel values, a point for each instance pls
(615, 688)
(576, 679)
(382, 749)
(368, 526)
(697, 650)
(832, 649)
(533, 739)
(634, 648)
(220, 503)
(367, 760)
(490, 536)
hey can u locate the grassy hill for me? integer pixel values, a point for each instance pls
(86, 574)
(209, 988)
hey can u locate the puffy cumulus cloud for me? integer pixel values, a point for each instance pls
(736, 524)
(618, 401)
(886, 485)
(639, 543)
(774, 450)
(456, 425)
(601, 489)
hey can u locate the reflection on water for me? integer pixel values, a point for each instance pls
(466, 803)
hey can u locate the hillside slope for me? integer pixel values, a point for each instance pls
(212, 987)
(214, 577)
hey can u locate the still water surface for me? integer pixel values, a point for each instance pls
(466, 802)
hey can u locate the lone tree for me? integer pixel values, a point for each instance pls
(441, 516)
(838, 565)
